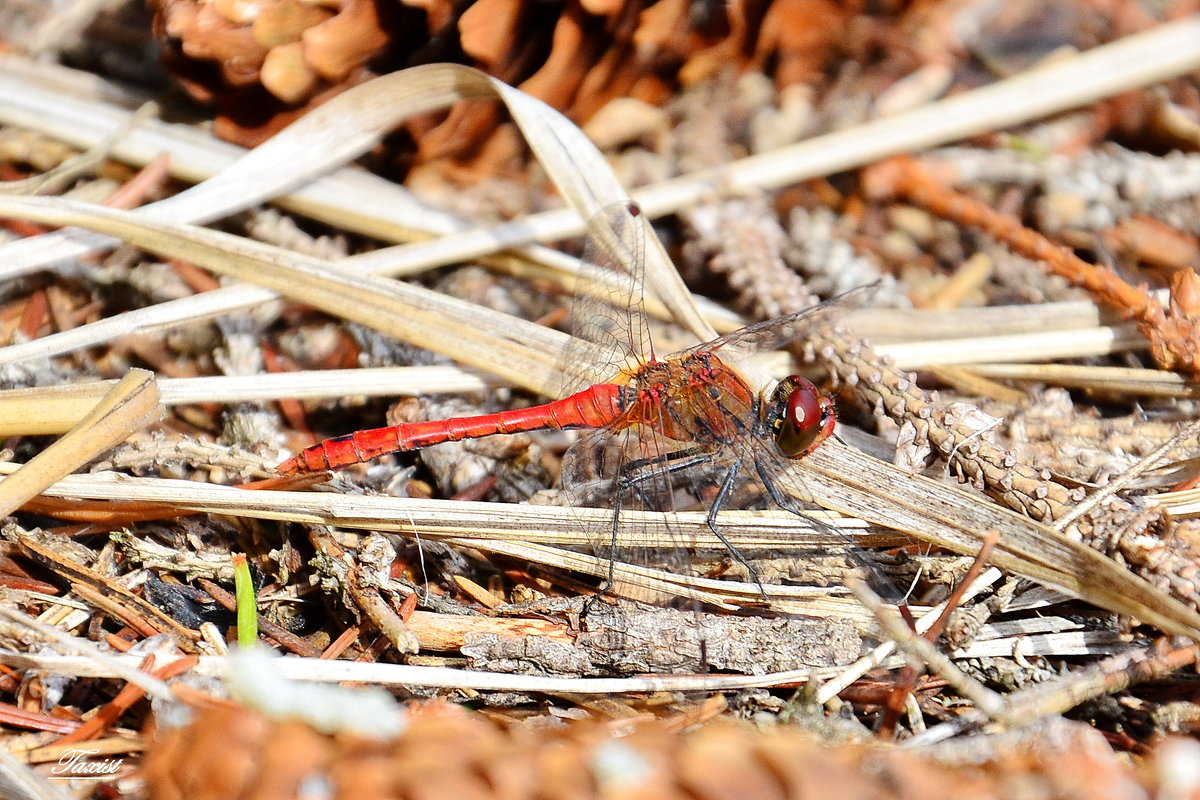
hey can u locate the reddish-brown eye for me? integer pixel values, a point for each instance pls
(807, 418)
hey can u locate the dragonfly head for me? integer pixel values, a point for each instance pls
(803, 417)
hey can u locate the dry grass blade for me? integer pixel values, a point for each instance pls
(536, 534)
(459, 519)
(524, 353)
(1078, 343)
(104, 593)
(82, 109)
(1117, 380)
(856, 484)
(421, 317)
(43, 410)
(1154, 55)
(126, 408)
(1183, 504)
(348, 126)
(39, 411)
(88, 652)
(1064, 330)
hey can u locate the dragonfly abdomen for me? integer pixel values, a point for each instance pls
(592, 408)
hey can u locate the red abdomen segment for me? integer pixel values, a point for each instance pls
(592, 408)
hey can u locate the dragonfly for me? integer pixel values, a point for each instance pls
(652, 422)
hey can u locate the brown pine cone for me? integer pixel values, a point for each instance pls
(264, 62)
(445, 752)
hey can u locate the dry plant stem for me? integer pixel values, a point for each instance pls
(828, 690)
(1127, 477)
(128, 407)
(84, 163)
(956, 597)
(1146, 382)
(345, 129)
(55, 409)
(524, 536)
(133, 192)
(901, 694)
(1174, 335)
(520, 351)
(315, 669)
(985, 700)
(450, 632)
(1111, 675)
(88, 652)
(114, 598)
(364, 595)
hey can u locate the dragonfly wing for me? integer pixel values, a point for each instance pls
(607, 316)
(775, 334)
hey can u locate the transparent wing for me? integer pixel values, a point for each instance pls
(607, 316)
(626, 470)
(774, 334)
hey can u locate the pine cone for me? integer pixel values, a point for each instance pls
(446, 752)
(264, 62)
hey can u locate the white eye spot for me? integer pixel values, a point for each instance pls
(798, 416)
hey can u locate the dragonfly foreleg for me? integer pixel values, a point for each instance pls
(874, 575)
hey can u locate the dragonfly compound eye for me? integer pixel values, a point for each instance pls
(807, 418)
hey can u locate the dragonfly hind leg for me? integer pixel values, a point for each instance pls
(629, 479)
(636, 473)
(711, 521)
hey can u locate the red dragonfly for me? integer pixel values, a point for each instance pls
(650, 424)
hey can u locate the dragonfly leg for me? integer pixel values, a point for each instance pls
(632, 471)
(636, 473)
(874, 575)
(633, 475)
(612, 544)
(711, 521)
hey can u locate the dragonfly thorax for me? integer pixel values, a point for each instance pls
(693, 398)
